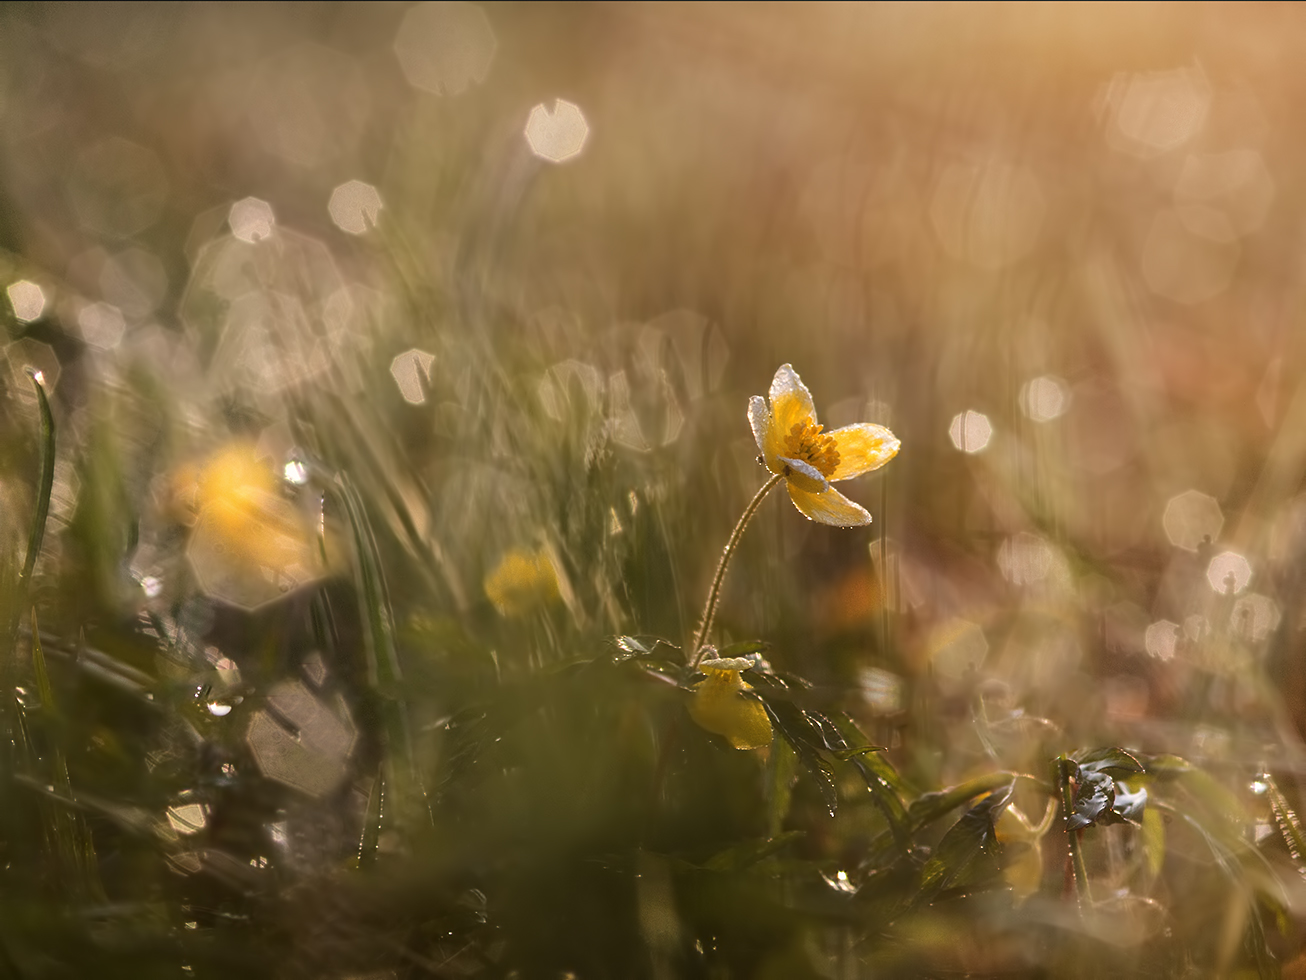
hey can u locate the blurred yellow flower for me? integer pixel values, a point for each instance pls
(721, 705)
(248, 544)
(795, 447)
(521, 581)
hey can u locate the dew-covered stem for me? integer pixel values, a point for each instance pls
(714, 594)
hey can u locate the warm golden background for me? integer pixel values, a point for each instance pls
(516, 268)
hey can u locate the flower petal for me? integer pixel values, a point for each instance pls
(862, 447)
(759, 417)
(791, 402)
(722, 705)
(829, 507)
(803, 475)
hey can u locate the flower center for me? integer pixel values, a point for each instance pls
(806, 442)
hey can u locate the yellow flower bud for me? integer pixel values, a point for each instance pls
(721, 706)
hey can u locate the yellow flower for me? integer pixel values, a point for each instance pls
(794, 446)
(248, 545)
(521, 581)
(721, 706)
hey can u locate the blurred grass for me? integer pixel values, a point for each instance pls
(377, 756)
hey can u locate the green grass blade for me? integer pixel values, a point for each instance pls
(383, 669)
(37, 532)
(17, 591)
(71, 836)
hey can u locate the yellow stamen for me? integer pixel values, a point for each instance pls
(806, 442)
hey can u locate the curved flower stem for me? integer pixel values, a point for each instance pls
(1063, 769)
(713, 596)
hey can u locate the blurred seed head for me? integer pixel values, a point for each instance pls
(251, 220)
(354, 207)
(27, 300)
(1254, 616)
(411, 371)
(1161, 639)
(970, 431)
(559, 134)
(1229, 573)
(1044, 398)
(1190, 518)
(445, 46)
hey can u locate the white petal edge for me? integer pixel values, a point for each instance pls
(728, 663)
(759, 417)
(787, 382)
(804, 475)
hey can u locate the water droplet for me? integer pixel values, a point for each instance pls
(840, 883)
(296, 472)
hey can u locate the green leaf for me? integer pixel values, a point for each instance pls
(880, 778)
(1094, 798)
(639, 646)
(1115, 762)
(744, 648)
(1153, 841)
(782, 770)
(750, 852)
(1214, 800)
(883, 781)
(967, 854)
(931, 806)
(1167, 767)
(796, 728)
(1130, 806)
